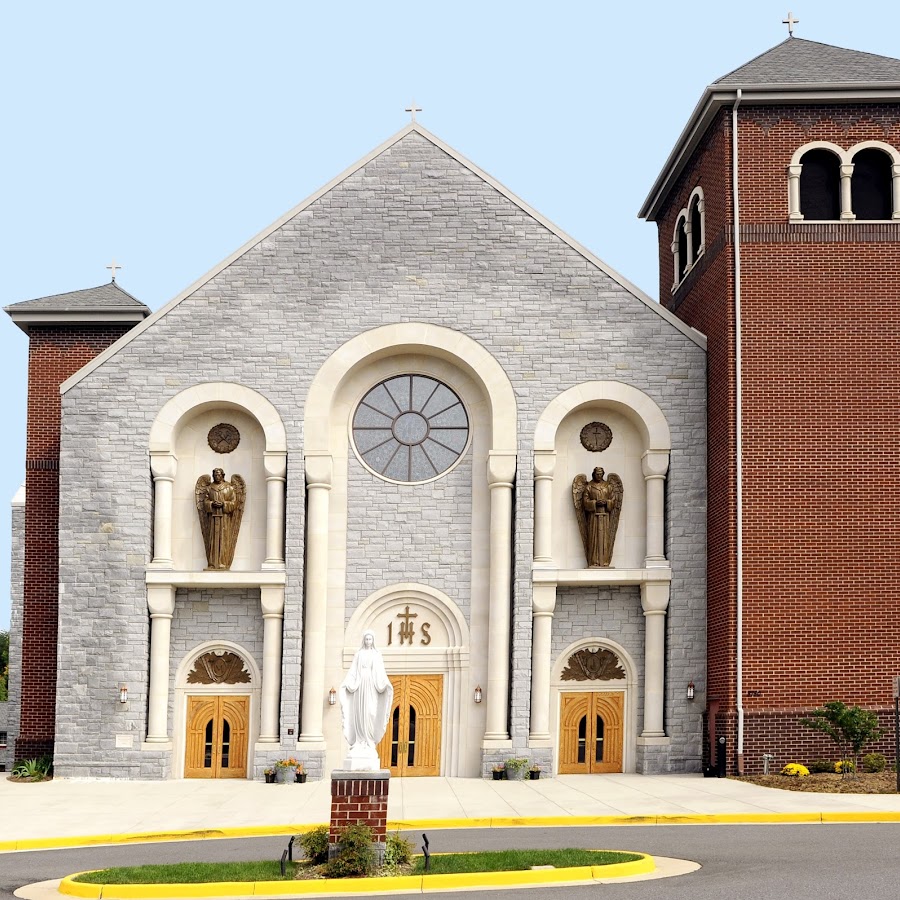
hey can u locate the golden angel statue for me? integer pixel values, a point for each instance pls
(598, 503)
(220, 505)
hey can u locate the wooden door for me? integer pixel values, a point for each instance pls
(216, 737)
(591, 732)
(412, 743)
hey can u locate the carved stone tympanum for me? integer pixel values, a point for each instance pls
(219, 668)
(223, 438)
(220, 505)
(598, 503)
(593, 665)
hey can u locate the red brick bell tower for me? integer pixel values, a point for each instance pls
(65, 332)
(779, 238)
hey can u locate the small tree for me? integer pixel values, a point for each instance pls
(4, 665)
(850, 727)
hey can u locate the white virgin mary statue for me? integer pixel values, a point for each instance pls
(366, 701)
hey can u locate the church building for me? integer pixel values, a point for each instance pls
(584, 528)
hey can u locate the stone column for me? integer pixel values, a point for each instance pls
(163, 467)
(272, 603)
(655, 602)
(318, 484)
(895, 178)
(544, 465)
(543, 603)
(276, 471)
(794, 193)
(654, 465)
(676, 260)
(161, 603)
(501, 475)
(846, 195)
(689, 241)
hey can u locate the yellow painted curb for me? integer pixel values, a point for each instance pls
(392, 885)
(861, 817)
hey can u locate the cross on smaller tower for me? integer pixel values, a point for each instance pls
(412, 109)
(114, 266)
(790, 21)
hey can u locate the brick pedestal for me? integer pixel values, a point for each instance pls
(359, 798)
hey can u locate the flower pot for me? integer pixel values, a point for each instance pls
(499, 775)
(515, 774)
(301, 777)
(284, 776)
(270, 777)
(534, 775)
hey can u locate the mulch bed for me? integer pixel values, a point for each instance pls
(828, 783)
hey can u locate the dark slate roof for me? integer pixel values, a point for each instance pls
(798, 61)
(107, 297)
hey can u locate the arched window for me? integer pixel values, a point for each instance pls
(820, 185)
(871, 184)
(696, 218)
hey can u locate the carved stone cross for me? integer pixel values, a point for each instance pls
(114, 266)
(412, 109)
(790, 21)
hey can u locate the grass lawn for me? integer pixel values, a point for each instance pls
(441, 864)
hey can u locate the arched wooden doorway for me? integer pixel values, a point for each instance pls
(591, 732)
(412, 743)
(217, 731)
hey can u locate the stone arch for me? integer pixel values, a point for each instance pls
(632, 402)
(411, 337)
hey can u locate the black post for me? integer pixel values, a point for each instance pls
(721, 761)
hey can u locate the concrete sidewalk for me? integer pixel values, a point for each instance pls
(66, 809)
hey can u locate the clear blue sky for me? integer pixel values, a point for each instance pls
(167, 134)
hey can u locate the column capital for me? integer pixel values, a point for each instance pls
(501, 468)
(275, 463)
(794, 171)
(319, 469)
(846, 170)
(271, 600)
(654, 597)
(655, 463)
(544, 463)
(543, 599)
(161, 600)
(163, 465)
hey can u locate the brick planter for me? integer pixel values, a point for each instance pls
(359, 798)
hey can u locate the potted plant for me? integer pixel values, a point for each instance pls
(270, 775)
(534, 772)
(300, 774)
(286, 768)
(499, 772)
(515, 768)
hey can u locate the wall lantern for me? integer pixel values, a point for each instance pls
(690, 690)
(123, 693)
(478, 694)
(332, 697)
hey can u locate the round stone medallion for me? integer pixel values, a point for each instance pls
(596, 436)
(223, 438)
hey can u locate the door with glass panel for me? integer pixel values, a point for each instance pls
(216, 737)
(412, 743)
(590, 732)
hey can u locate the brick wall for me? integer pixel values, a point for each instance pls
(358, 801)
(55, 353)
(821, 334)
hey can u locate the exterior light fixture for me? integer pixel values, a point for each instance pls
(690, 690)
(332, 697)
(123, 693)
(478, 694)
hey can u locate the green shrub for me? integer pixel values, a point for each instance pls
(36, 769)
(315, 844)
(874, 762)
(357, 855)
(397, 852)
(819, 766)
(844, 766)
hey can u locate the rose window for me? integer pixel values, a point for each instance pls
(410, 428)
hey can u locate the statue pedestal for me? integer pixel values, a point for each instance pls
(359, 798)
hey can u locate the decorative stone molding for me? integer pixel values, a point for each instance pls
(218, 668)
(593, 665)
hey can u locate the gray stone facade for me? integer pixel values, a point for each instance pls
(412, 236)
(9, 711)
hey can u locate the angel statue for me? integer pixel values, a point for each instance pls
(597, 507)
(220, 505)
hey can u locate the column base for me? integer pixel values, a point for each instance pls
(652, 755)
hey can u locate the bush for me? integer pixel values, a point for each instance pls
(796, 770)
(315, 844)
(397, 852)
(357, 855)
(874, 762)
(820, 766)
(844, 766)
(35, 769)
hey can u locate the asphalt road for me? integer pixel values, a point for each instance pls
(743, 862)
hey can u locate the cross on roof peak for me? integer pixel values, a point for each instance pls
(412, 109)
(114, 265)
(790, 21)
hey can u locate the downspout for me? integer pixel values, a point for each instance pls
(739, 443)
